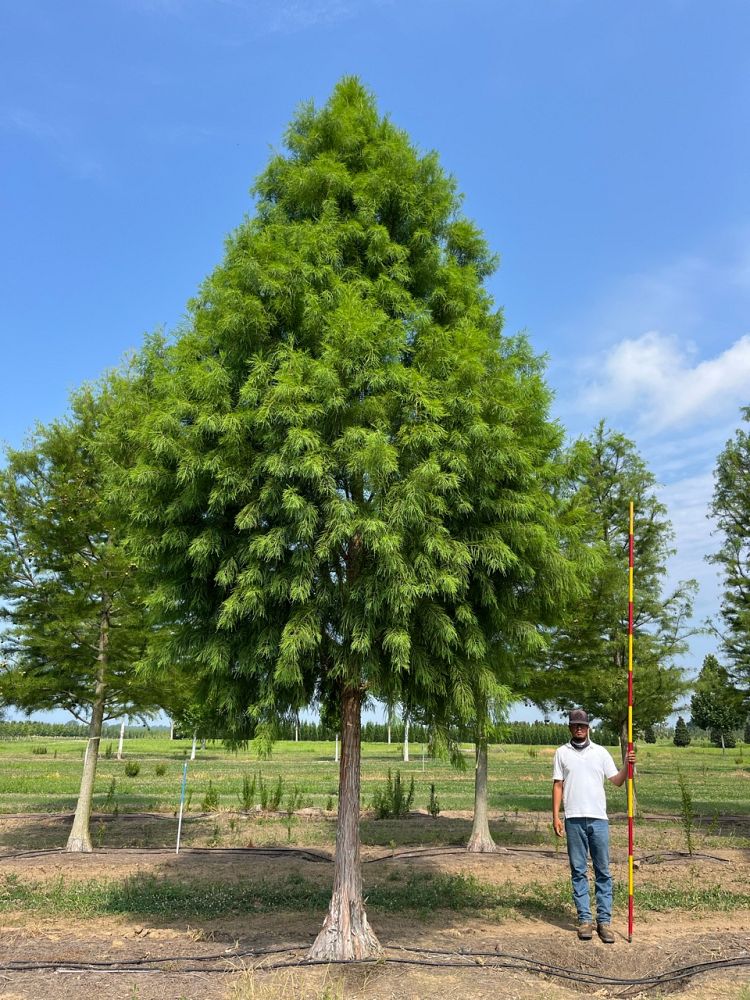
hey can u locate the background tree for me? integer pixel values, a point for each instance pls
(72, 603)
(731, 508)
(649, 736)
(681, 734)
(343, 475)
(716, 705)
(587, 657)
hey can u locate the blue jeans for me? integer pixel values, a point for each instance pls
(590, 836)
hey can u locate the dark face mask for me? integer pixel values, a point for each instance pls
(580, 739)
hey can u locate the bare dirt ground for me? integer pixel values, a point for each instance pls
(217, 959)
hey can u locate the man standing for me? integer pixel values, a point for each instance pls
(578, 774)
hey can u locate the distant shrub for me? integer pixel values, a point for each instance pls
(294, 801)
(649, 736)
(161, 770)
(392, 802)
(730, 740)
(132, 768)
(433, 806)
(110, 801)
(274, 800)
(263, 792)
(247, 795)
(108, 751)
(210, 799)
(681, 734)
(39, 750)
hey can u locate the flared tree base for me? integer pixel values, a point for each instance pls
(346, 935)
(78, 845)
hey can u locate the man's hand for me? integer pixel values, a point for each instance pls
(558, 826)
(630, 757)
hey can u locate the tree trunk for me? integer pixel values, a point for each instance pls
(346, 934)
(171, 730)
(296, 730)
(389, 734)
(406, 740)
(481, 841)
(195, 743)
(336, 756)
(80, 837)
(122, 740)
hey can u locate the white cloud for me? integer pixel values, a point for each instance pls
(659, 382)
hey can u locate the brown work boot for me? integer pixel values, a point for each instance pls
(585, 930)
(605, 933)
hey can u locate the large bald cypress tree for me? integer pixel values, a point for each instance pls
(342, 469)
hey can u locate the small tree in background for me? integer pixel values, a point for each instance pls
(723, 738)
(588, 654)
(731, 508)
(70, 597)
(681, 735)
(649, 736)
(716, 704)
(746, 734)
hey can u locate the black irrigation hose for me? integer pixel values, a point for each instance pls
(307, 855)
(670, 855)
(448, 961)
(321, 858)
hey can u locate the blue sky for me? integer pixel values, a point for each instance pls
(602, 147)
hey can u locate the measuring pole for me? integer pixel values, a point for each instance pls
(630, 726)
(182, 803)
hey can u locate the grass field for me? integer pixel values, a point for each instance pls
(520, 777)
(422, 888)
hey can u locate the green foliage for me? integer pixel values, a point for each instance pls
(263, 791)
(274, 799)
(342, 475)
(19, 729)
(39, 750)
(294, 800)
(716, 705)
(160, 770)
(210, 801)
(731, 508)
(108, 752)
(433, 806)
(392, 801)
(722, 738)
(746, 733)
(589, 654)
(73, 605)
(681, 734)
(649, 736)
(110, 802)
(247, 795)
(132, 768)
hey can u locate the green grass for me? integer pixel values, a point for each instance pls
(520, 777)
(420, 893)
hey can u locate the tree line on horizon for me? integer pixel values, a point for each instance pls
(339, 481)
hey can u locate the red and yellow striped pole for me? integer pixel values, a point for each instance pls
(630, 726)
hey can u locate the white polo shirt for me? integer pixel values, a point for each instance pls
(583, 773)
